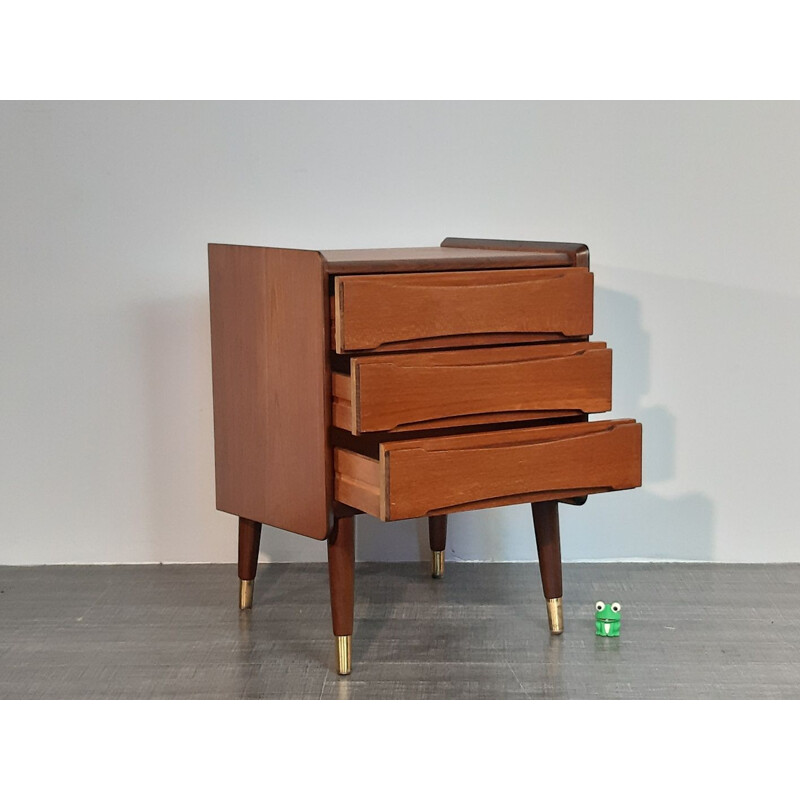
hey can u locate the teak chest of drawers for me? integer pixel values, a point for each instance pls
(408, 383)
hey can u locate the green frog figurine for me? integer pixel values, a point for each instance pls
(606, 620)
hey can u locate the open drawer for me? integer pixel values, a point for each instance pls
(473, 386)
(423, 310)
(442, 474)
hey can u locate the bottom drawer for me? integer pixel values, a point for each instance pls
(443, 474)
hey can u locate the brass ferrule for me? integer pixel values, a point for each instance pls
(555, 616)
(437, 561)
(343, 654)
(245, 594)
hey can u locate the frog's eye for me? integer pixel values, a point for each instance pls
(599, 605)
(615, 607)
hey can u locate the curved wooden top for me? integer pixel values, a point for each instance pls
(457, 254)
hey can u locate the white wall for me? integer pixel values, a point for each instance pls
(691, 212)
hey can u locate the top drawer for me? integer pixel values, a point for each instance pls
(416, 311)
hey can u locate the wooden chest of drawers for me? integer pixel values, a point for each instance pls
(408, 383)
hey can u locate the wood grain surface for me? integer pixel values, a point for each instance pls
(271, 386)
(457, 254)
(418, 310)
(577, 254)
(414, 259)
(357, 481)
(460, 387)
(442, 474)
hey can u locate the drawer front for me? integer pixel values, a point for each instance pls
(441, 475)
(411, 311)
(415, 391)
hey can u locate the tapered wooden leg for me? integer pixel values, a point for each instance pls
(249, 541)
(548, 544)
(437, 533)
(341, 571)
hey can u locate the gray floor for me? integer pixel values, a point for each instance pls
(688, 631)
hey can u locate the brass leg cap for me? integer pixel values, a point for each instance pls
(343, 654)
(245, 594)
(554, 615)
(437, 561)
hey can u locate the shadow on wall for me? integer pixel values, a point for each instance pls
(638, 523)
(176, 388)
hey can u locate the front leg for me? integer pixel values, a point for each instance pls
(548, 545)
(341, 576)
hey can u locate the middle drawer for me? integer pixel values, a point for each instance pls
(414, 391)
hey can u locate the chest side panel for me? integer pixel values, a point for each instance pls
(271, 386)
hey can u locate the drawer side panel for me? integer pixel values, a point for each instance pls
(357, 481)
